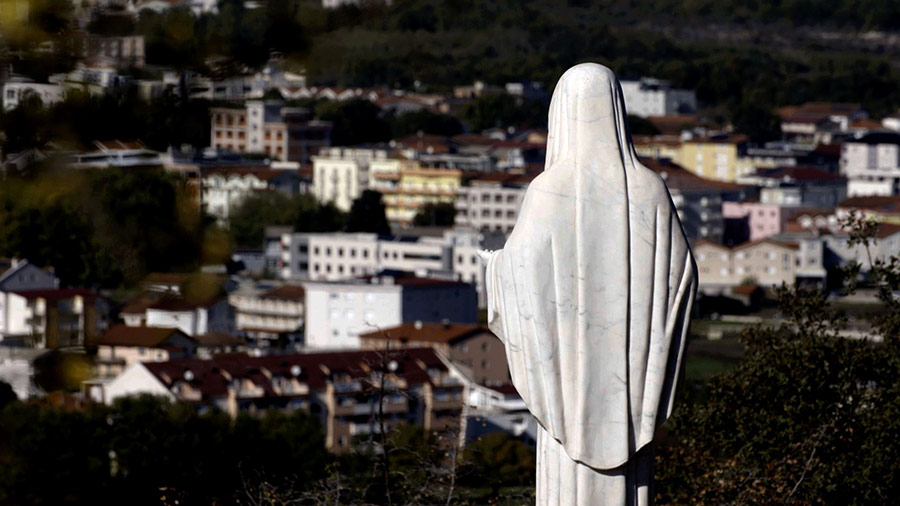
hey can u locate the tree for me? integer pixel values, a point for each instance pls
(498, 460)
(367, 214)
(641, 126)
(808, 416)
(356, 121)
(7, 395)
(756, 121)
(426, 122)
(439, 214)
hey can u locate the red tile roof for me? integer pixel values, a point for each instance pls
(212, 377)
(428, 332)
(889, 204)
(149, 337)
(286, 292)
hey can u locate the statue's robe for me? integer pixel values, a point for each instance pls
(592, 297)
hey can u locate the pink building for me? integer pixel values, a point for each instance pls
(751, 221)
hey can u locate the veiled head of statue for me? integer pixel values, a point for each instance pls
(587, 106)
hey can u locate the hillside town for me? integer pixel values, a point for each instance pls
(346, 280)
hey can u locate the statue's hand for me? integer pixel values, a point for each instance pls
(484, 255)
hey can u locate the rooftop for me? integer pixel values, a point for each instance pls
(148, 337)
(213, 377)
(428, 332)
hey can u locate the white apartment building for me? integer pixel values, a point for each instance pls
(654, 97)
(341, 174)
(225, 189)
(14, 93)
(492, 202)
(338, 312)
(871, 164)
(171, 311)
(337, 256)
(19, 275)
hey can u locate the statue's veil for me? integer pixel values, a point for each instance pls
(592, 292)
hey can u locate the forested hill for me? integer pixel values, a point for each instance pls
(735, 53)
(732, 52)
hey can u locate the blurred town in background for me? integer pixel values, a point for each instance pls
(248, 206)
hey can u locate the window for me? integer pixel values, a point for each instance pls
(484, 364)
(352, 252)
(365, 253)
(328, 251)
(340, 252)
(485, 346)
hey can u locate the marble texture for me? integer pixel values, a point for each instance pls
(592, 296)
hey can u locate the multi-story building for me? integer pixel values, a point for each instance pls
(53, 318)
(225, 189)
(818, 122)
(168, 310)
(337, 256)
(123, 51)
(471, 346)
(267, 315)
(654, 97)
(407, 187)
(122, 346)
(871, 163)
(764, 263)
(798, 186)
(492, 201)
(698, 200)
(338, 312)
(267, 126)
(714, 156)
(15, 93)
(750, 220)
(341, 174)
(346, 390)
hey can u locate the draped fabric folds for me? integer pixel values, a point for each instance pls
(593, 290)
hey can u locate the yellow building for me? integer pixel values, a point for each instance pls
(407, 187)
(716, 157)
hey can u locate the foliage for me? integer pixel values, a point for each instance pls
(367, 214)
(502, 111)
(641, 126)
(809, 416)
(101, 227)
(249, 219)
(356, 121)
(7, 395)
(152, 452)
(498, 460)
(81, 119)
(426, 122)
(440, 214)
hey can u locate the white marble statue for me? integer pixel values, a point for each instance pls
(592, 297)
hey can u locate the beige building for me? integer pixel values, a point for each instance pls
(765, 263)
(122, 346)
(474, 347)
(266, 315)
(407, 187)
